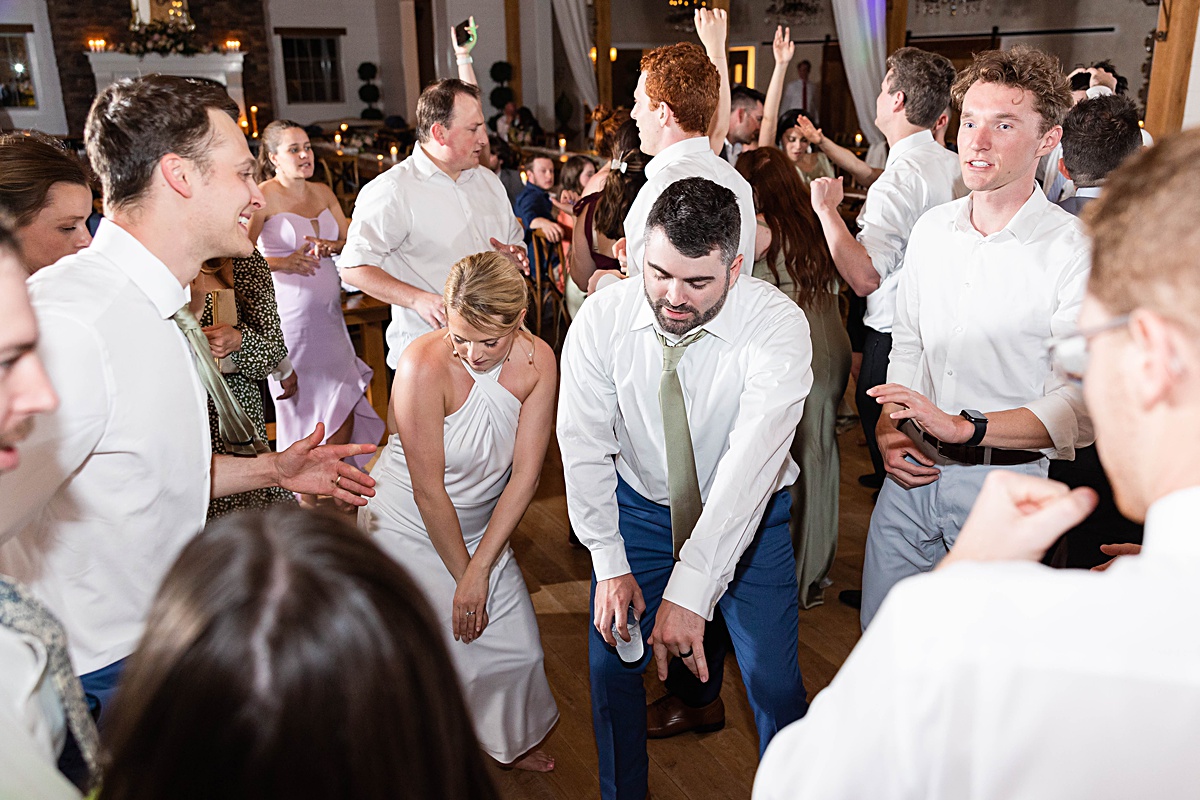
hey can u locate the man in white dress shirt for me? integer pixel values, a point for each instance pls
(744, 376)
(415, 221)
(919, 175)
(117, 481)
(1008, 679)
(675, 99)
(803, 93)
(986, 280)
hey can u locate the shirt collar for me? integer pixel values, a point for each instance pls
(910, 142)
(724, 326)
(1088, 191)
(426, 170)
(143, 268)
(1171, 527)
(695, 144)
(1023, 224)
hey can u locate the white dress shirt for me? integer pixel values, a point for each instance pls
(919, 175)
(117, 480)
(415, 222)
(744, 386)
(1026, 683)
(801, 94)
(691, 158)
(973, 313)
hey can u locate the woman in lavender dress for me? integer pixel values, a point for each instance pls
(298, 231)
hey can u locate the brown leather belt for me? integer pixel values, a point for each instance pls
(993, 456)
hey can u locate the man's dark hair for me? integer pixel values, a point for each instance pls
(698, 216)
(1122, 81)
(136, 121)
(744, 97)
(925, 78)
(436, 104)
(1098, 134)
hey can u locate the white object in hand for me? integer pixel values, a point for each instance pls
(631, 651)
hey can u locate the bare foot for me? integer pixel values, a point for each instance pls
(534, 761)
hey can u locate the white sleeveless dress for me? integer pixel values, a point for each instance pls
(501, 672)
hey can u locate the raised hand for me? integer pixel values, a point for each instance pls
(810, 132)
(712, 25)
(783, 47)
(827, 194)
(472, 38)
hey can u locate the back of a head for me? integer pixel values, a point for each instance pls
(30, 163)
(1144, 232)
(698, 216)
(925, 78)
(608, 123)
(136, 121)
(286, 656)
(1024, 68)
(1098, 134)
(435, 106)
(487, 290)
(623, 183)
(682, 76)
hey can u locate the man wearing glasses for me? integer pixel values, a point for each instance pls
(986, 280)
(1037, 683)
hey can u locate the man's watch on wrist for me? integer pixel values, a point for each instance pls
(980, 422)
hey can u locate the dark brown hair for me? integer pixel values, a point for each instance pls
(569, 177)
(286, 656)
(925, 78)
(621, 188)
(271, 136)
(681, 76)
(30, 163)
(1098, 134)
(435, 106)
(1144, 232)
(1021, 67)
(780, 197)
(136, 121)
(608, 122)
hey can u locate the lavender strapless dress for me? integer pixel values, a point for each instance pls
(333, 380)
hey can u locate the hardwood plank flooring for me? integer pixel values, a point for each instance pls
(715, 765)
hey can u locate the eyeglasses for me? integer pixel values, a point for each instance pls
(1069, 353)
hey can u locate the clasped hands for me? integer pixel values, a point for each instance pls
(677, 631)
(470, 615)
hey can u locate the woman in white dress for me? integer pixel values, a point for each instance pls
(474, 406)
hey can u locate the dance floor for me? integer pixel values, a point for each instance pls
(715, 765)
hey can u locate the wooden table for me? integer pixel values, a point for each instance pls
(370, 316)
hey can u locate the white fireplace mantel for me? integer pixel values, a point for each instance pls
(225, 68)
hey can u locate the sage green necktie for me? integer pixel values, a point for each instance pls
(237, 431)
(683, 486)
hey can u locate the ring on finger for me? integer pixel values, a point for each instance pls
(688, 654)
(337, 481)
(469, 614)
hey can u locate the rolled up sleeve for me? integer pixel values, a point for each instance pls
(378, 228)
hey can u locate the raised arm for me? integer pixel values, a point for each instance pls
(712, 25)
(462, 52)
(858, 169)
(783, 48)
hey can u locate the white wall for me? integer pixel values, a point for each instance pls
(49, 116)
(361, 43)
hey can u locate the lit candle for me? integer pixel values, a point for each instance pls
(858, 139)
(254, 121)
(233, 45)
(562, 144)
(395, 153)
(345, 127)
(337, 140)
(380, 157)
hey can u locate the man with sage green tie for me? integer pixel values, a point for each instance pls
(117, 480)
(681, 391)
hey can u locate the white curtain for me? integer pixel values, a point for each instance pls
(862, 33)
(572, 19)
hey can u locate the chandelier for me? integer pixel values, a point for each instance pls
(794, 12)
(681, 14)
(953, 7)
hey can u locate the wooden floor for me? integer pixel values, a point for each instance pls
(716, 765)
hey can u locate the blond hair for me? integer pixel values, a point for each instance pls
(487, 291)
(1134, 266)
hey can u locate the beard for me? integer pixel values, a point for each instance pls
(697, 318)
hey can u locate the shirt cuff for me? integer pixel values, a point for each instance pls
(694, 590)
(283, 370)
(609, 560)
(1061, 423)
(352, 256)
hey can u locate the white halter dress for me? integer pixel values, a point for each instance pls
(501, 672)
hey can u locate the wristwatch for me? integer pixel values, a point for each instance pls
(977, 419)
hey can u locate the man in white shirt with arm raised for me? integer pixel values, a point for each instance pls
(919, 175)
(413, 222)
(680, 391)
(986, 280)
(996, 677)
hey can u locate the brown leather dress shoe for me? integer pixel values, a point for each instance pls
(668, 716)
